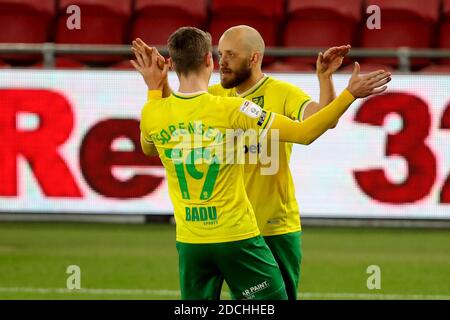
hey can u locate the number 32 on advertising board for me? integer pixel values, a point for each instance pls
(408, 143)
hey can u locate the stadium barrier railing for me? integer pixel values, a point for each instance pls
(49, 52)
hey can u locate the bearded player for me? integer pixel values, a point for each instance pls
(241, 51)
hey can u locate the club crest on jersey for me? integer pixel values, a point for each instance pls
(259, 101)
(251, 109)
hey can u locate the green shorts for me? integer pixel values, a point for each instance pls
(286, 249)
(247, 266)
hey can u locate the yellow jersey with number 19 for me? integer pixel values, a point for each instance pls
(272, 196)
(206, 182)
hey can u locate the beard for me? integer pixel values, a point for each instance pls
(238, 76)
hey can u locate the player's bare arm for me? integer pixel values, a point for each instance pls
(153, 69)
(359, 86)
(327, 63)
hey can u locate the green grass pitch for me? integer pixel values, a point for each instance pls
(120, 261)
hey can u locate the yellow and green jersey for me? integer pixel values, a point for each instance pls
(206, 183)
(272, 196)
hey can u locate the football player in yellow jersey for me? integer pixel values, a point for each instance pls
(241, 52)
(217, 235)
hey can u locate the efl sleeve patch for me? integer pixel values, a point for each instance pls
(251, 109)
(262, 118)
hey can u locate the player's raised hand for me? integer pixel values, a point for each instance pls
(361, 86)
(143, 54)
(150, 64)
(142, 46)
(331, 60)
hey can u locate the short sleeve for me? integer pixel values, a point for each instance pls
(296, 101)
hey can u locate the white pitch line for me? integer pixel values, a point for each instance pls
(91, 291)
(372, 296)
(176, 293)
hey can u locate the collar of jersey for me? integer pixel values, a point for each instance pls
(189, 95)
(254, 88)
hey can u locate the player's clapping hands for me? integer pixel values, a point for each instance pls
(331, 60)
(150, 64)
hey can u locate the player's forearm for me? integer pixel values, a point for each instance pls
(327, 92)
(165, 88)
(309, 130)
(165, 92)
(327, 95)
